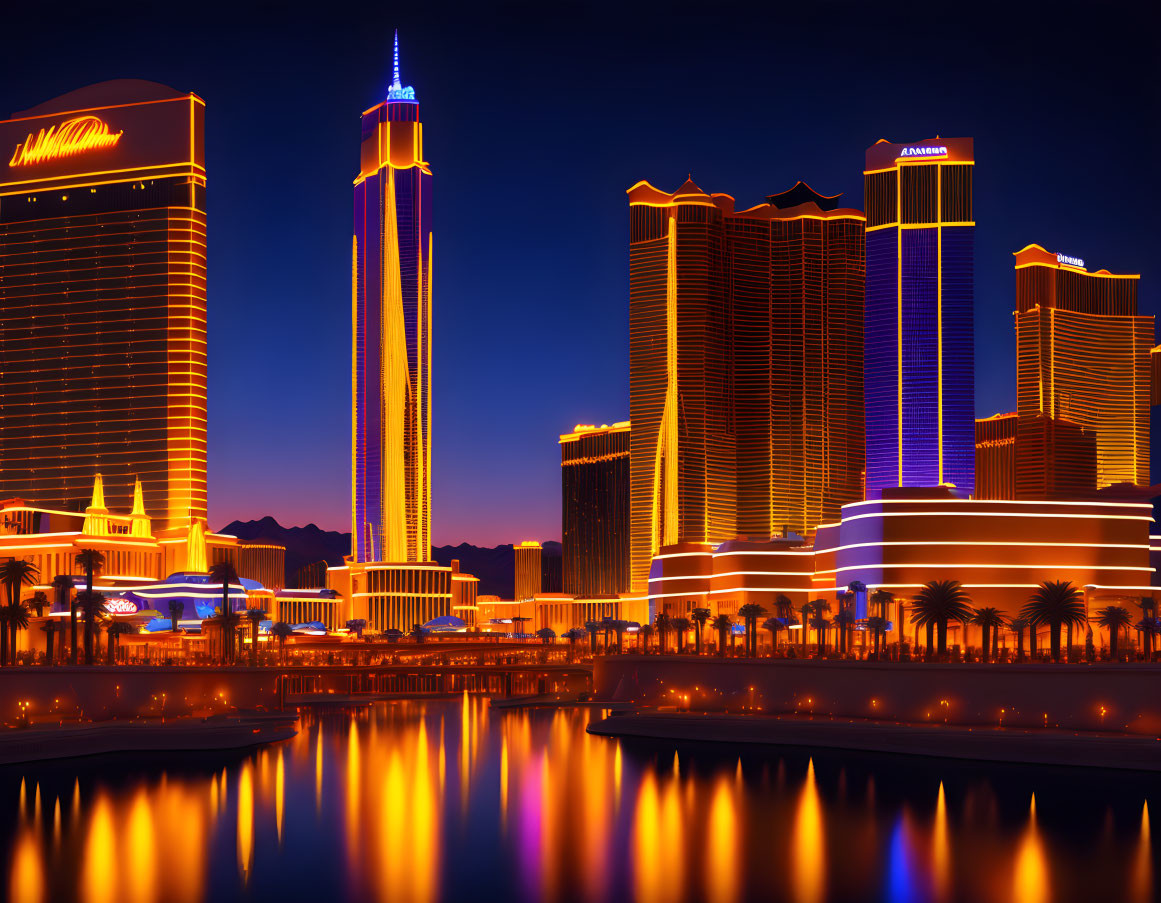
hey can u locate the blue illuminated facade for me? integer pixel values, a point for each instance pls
(391, 335)
(918, 335)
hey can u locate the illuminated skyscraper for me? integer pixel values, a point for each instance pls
(1034, 458)
(1082, 354)
(527, 561)
(918, 326)
(103, 301)
(594, 480)
(391, 355)
(745, 366)
(796, 277)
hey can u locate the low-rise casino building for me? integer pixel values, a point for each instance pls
(999, 550)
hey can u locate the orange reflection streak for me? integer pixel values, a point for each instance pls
(442, 759)
(465, 751)
(26, 884)
(548, 838)
(56, 824)
(1143, 868)
(36, 802)
(673, 840)
(616, 775)
(98, 883)
(182, 876)
(594, 839)
(141, 876)
(279, 793)
(245, 819)
(649, 859)
(808, 849)
(354, 787)
(940, 849)
(425, 824)
(722, 859)
(318, 770)
(1030, 879)
(504, 781)
(392, 833)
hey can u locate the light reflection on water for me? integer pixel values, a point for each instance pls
(422, 801)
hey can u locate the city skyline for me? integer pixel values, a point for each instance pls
(1027, 165)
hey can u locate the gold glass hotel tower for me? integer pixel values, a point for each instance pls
(1082, 355)
(391, 354)
(103, 300)
(745, 366)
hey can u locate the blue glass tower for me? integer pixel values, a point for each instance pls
(918, 341)
(391, 335)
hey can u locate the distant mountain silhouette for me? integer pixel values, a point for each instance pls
(495, 567)
(304, 545)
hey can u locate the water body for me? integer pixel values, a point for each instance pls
(449, 800)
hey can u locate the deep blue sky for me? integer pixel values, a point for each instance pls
(537, 118)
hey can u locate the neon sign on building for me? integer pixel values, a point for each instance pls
(120, 607)
(923, 151)
(66, 139)
(1069, 261)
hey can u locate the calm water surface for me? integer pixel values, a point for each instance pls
(451, 800)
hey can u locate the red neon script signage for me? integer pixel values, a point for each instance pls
(66, 139)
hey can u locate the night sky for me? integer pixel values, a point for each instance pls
(537, 118)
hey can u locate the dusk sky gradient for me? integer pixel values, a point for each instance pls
(537, 118)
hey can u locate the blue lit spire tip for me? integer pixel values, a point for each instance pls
(398, 91)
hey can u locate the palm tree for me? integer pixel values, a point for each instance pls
(256, 616)
(1017, 626)
(39, 602)
(176, 610)
(990, 622)
(680, 627)
(417, 633)
(844, 620)
(1113, 618)
(722, 624)
(62, 586)
(938, 602)
(572, 635)
(643, 635)
(90, 561)
(281, 630)
(14, 617)
(113, 638)
(699, 616)
(546, 634)
(773, 625)
(223, 572)
(805, 611)
(1055, 603)
(92, 606)
(821, 625)
(662, 624)
(750, 613)
(14, 574)
(878, 626)
(1148, 628)
(49, 628)
(1149, 616)
(357, 626)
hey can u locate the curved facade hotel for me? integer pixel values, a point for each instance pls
(103, 300)
(745, 366)
(918, 326)
(391, 354)
(999, 551)
(1082, 355)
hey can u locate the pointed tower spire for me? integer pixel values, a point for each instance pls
(139, 523)
(96, 515)
(399, 91)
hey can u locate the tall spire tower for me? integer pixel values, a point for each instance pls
(391, 334)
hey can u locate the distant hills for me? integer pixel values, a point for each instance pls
(496, 567)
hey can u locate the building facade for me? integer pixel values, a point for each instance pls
(391, 354)
(393, 596)
(527, 557)
(103, 300)
(1083, 355)
(1034, 457)
(918, 323)
(996, 456)
(594, 482)
(745, 366)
